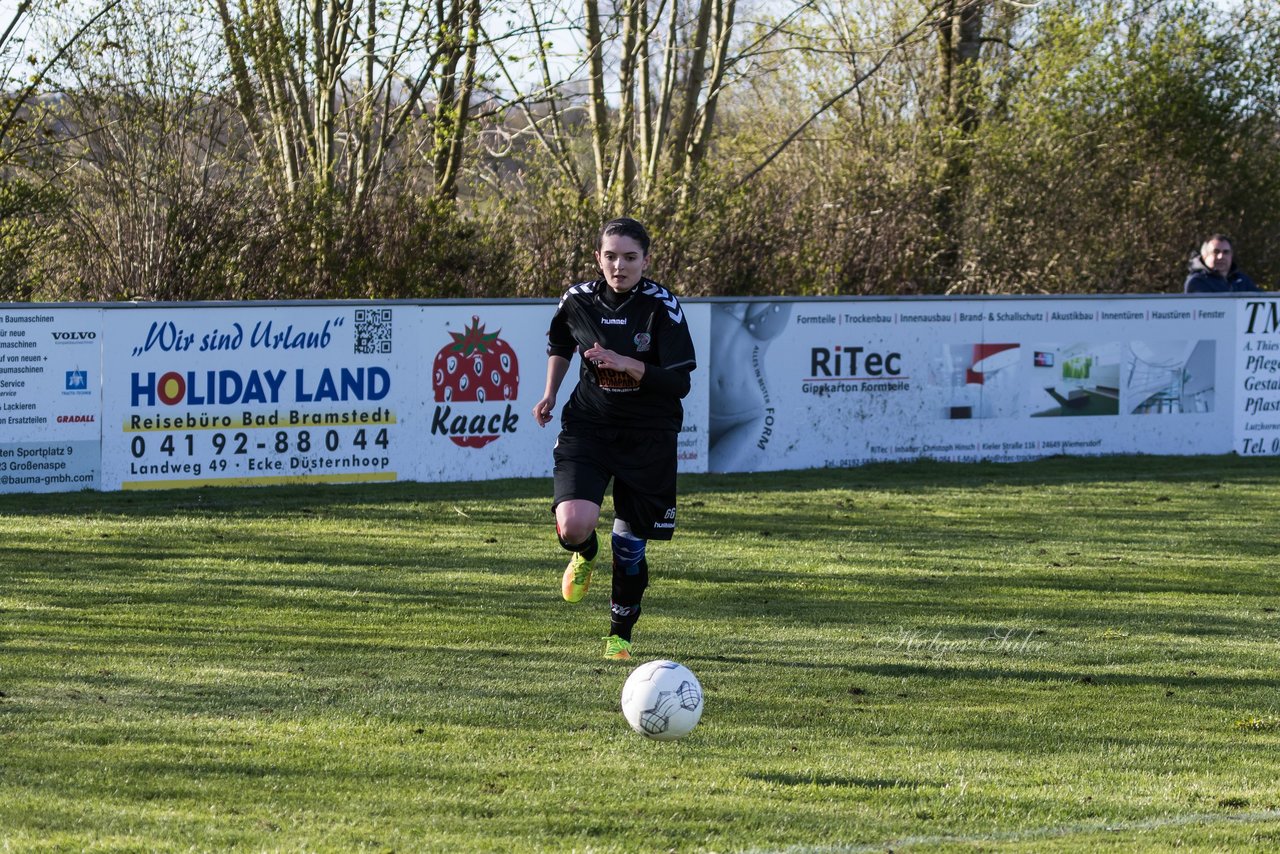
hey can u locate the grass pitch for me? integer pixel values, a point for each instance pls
(1069, 654)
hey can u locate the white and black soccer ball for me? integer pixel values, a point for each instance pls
(662, 700)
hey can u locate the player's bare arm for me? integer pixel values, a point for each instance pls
(544, 410)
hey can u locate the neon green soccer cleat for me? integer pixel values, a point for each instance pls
(617, 649)
(577, 578)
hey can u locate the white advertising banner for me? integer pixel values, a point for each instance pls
(1258, 378)
(255, 395)
(50, 403)
(832, 384)
(482, 369)
(694, 438)
(162, 396)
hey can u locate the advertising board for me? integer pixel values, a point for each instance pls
(165, 396)
(254, 395)
(843, 383)
(1258, 378)
(50, 399)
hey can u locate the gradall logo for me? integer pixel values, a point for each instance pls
(476, 369)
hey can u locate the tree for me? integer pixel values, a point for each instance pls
(151, 164)
(328, 91)
(653, 74)
(23, 75)
(17, 100)
(959, 77)
(278, 148)
(1114, 140)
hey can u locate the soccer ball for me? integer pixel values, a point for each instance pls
(662, 700)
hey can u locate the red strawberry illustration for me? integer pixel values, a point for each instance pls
(477, 367)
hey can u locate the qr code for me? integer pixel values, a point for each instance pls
(373, 330)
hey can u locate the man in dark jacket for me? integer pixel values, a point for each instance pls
(1213, 269)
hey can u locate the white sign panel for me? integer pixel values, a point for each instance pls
(255, 395)
(692, 450)
(481, 370)
(814, 384)
(123, 397)
(1258, 378)
(50, 404)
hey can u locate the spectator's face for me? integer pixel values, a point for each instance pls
(1217, 256)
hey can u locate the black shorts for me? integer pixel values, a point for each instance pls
(642, 465)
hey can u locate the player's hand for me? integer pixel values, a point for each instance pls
(543, 410)
(602, 358)
(609, 360)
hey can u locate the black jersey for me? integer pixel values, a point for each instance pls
(647, 324)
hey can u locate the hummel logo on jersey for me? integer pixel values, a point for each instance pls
(668, 299)
(613, 321)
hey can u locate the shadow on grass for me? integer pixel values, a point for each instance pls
(272, 673)
(1061, 470)
(391, 502)
(924, 475)
(434, 550)
(204, 524)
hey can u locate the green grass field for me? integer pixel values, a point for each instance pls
(1069, 654)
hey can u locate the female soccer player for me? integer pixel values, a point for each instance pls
(622, 421)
